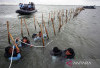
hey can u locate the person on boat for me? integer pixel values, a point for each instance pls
(29, 6)
(24, 42)
(33, 6)
(56, 52)
(68, 53)
(21, 5)
(25, 7)
(8, 53)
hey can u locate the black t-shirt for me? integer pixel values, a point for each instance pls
(7, 55)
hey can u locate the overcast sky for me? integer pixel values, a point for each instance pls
(54, 2)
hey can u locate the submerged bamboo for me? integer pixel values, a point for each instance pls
(8, 32)
(34, 23)
(38, 23)
(49, 18)
(26, 27)
(46, 29)
(54, 16)
(59, 24)
(66, 16)
(21, 28)
(53, 26)
(14, 42)
(42, 35)
(42, 18)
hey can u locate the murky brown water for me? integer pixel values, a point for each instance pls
(81, 33)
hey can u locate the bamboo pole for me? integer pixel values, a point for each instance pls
(63, 12)
(38, 23)
(58, 14)
(62, 17)
(46, 29)
(14, 42)
(8, 32)
(34, 23)
(66, 16)
(42, 22)
(42, 18)
(49, 15)
(26, 27)
(49, 18)
(70, 15)
(54, 16)
(59, 24)
(21, 28)
(48, 22)
(42, 35)
(53, 26)
(62, 21)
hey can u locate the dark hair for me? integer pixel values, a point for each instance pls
(26, 42)
(56, 49)
(7, 54)
(34, 35)
(7, 49)
(72, 52)
(39, 31)
(26, 39)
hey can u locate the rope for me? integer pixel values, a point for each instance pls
(37, 46)
(11, 57)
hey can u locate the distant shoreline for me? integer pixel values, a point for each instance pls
(45, 4)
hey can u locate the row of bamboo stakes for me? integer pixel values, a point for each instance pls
(60, 15)
(77, 11)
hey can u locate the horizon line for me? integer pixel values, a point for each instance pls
(52, 5)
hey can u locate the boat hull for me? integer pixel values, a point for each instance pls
(25, 12)
(89, 7)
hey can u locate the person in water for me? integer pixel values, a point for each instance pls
(56, 52)
(8, 53)
(68, 53)
(37, 35)
(24, 42)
